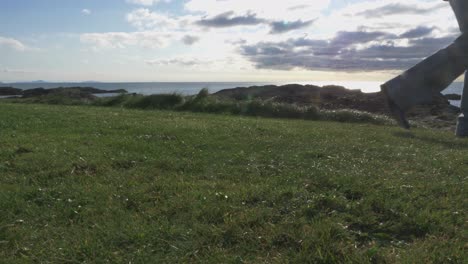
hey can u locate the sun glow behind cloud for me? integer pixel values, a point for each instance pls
(261, 40)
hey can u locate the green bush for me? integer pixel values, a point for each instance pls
(113, 101)
(204, 93)
(353, 116)
(157, 101)
(279, 110)
(207, 105)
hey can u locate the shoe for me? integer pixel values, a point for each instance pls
(396, 111)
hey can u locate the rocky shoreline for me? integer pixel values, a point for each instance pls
(440, 113)
(35, 92)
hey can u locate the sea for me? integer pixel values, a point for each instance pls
(191, 88)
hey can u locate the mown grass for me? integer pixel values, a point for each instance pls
(94, 184)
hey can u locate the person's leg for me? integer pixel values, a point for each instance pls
(460, 8)
(418, 84)
(462, 122)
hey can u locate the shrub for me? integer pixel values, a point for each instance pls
(204, 93)
(279, 110)
(113, 101)
(353, 116)
(157, 101)
(208, 105)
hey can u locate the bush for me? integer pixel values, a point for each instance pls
(204, 93)
(157, 101)
(279, 110)
(207, 105)
(353, 116)
(113, 101)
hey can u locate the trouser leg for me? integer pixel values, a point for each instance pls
(462, 122)
(460, 8)
(418, 84)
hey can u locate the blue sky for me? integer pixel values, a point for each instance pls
(210, 40)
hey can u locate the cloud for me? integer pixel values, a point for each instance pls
(399, 9)
(12, 44)
(190, 40)
(185, 62)
(149, 40)
(393, 16)
(144, 19)
(16, 71)
(285, 26)
(296, 9)
(146, 2)
(229, 20)
(290, 34)
(86, 11)
(346, 51)
(418, 32)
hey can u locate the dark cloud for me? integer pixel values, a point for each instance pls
(344, 39)
(341, 53)
(190, 40)
(417, 32)
(229, 20)
(285, 26)
(399, 9)
(430, 45)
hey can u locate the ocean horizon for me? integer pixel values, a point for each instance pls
(191, 88)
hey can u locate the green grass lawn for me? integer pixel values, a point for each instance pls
(93, 184)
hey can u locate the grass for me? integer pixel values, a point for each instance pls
(95, 184)
(203, 102)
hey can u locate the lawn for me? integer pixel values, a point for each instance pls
(100, 184)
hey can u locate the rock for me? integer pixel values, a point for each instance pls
(327, 97)
(35, 92)
(4, 91)
(334, 97)
(68, 91)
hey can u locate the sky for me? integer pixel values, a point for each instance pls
(218, 40)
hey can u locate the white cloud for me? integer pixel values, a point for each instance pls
(144, 19)
(145, 39)
(146, 2)
(179, 61)
(86, 11)
(200, 63)
(12, 44)
(292, 20)
(390, 16)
